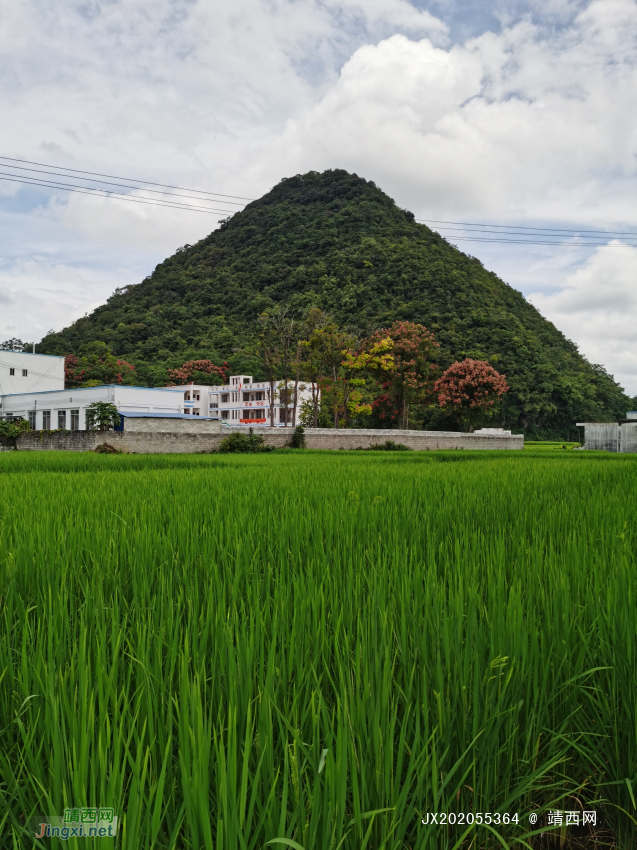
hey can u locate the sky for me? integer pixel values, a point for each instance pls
(504, 112)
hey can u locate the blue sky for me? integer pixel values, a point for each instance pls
(518, 113)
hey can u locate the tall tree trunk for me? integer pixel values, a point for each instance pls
(296, 387)
(271, 392)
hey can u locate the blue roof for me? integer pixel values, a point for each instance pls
(10, 351)
(99, 387)
(146, 415)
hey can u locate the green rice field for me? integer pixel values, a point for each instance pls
(320, 650)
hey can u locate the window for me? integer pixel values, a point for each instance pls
(213, 405)
(195, 412)
(225, 398)
(186, 396)
(25, 372)
(246, 396)
(195, 397)
(62, 419)
(75, 420)
(32, 420)
(12, 371)
(259, 396)
(187, 411)
(283, 412)
(224, 414)
(46, 420)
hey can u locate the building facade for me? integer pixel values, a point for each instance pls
(32, 388)
(244, 402)
(62, 409)
(22, 372)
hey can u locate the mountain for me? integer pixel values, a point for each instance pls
(335, 240)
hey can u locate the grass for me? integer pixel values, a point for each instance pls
(319, 648)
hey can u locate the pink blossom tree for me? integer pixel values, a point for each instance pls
(469, 389)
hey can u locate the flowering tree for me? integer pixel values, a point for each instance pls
(469, 389)
(96, 365)
(412, 376)
(347, 392)
(197, 372)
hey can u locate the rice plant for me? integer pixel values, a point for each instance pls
(318, 649)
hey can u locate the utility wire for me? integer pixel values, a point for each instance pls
(114, 177)
(588, 240)
(539, 235)
(109, 183)
(523, 227)
(104, 193)
(538, 242)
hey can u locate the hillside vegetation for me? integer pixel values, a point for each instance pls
(336, 241)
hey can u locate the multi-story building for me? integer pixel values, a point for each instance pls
(243, 401)
(32, 387)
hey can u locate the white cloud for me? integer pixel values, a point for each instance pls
(529, 122)
(597, 306)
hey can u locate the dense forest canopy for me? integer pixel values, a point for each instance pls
(335, 241)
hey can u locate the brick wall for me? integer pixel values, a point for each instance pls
(315, 438)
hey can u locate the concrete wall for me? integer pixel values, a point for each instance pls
(143, 442)
(331, 438)
(628, 437)
(601, 436)
(129, 441)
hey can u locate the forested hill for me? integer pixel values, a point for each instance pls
(337, 241)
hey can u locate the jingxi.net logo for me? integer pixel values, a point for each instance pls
(77, 823)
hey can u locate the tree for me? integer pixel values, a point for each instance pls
(96, 365)
(198, 372)
(13, 345)
(10, 430)
(276, 341)
(469, 389)
(102, 416)
(412, 377)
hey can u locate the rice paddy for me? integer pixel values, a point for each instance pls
(319, 650)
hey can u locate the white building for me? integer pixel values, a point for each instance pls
(22, 372)
(66, 409)
(243, 401)
(32, 387)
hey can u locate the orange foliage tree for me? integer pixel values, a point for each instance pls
(412, 377)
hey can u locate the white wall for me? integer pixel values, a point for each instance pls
(43, 372)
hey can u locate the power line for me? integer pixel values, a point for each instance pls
(109, 183)
(104, 193)
(523, 227)
(538, 242)
(586, 240)
(115, 177)
(547, 235)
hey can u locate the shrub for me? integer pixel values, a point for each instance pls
(239, 442)
(10, 430)
(298, 438)
(102, 416)
(391, 446)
